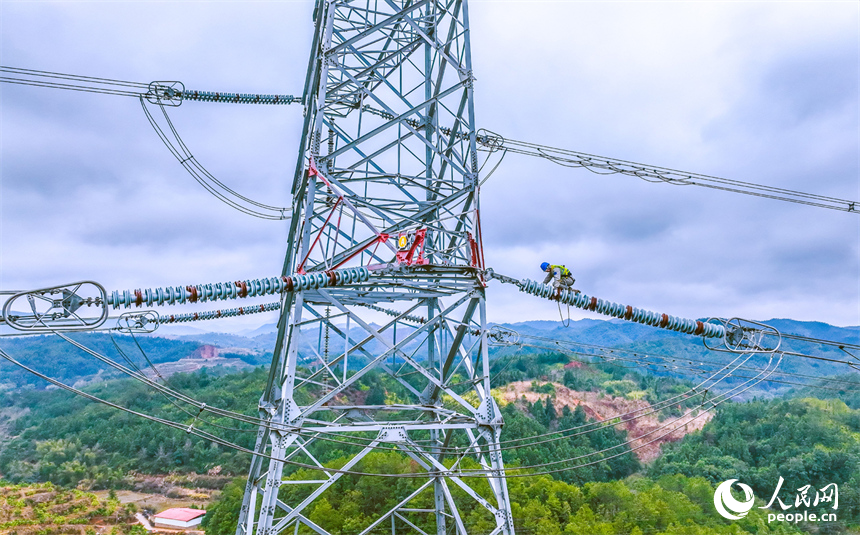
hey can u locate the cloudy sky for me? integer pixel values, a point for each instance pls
(761, 92)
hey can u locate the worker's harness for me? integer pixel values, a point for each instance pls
(564, 271)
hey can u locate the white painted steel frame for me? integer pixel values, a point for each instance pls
(389, 86)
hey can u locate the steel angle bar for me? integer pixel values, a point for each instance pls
(302, 518)
(396, 227)
(432, 464)
(374, 361)
(373, 29)
(372, 70)
(369, 529)
(455, 348)
(392, 349)
(359, 345)
(400, 119)
(322, 488)
(432, 40)
(366, 159)
(307, 441)
(379, 426)
(330, 181)
(439, 411)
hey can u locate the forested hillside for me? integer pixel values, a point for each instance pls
(52, 355)
(805, 441)
(671, 505)
(65, 362)
(70, 440)
(52, 435)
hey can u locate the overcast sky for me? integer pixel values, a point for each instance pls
(761, 92)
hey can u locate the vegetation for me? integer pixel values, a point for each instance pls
(613, 379)
(805, 441)
(838, 387)
(69, 364)
(670, 505)
(73, 442)
(46, 509)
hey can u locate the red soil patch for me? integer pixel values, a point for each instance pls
(641, 427)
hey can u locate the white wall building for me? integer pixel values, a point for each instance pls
(178, 518)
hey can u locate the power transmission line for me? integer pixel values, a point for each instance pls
(604, 165)
(159, 93)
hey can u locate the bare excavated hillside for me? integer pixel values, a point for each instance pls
(645, 429)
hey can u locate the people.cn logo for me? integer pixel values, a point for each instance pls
(726, 504)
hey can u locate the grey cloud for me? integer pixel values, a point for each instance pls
(814, 84)
(123, 211)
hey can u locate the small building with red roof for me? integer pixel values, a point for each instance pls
(178, 518)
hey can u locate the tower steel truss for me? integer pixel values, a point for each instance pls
(387, 183)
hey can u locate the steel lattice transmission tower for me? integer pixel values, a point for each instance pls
(386, 211)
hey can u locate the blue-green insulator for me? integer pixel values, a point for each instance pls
(618, 310)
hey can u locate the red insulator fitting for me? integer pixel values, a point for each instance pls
(138, 297)
(332, 278)
(241, 311)
(196, 316)
(592, 305)
(664, 321)
(192, 290)
(629, 313)
(243, 288)
(289, 282)
(700, 328)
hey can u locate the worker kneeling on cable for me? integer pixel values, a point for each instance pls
(559, 275)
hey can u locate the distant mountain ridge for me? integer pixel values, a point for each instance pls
(55, 357)
(611, 333)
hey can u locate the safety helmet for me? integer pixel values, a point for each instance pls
(544, 266)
